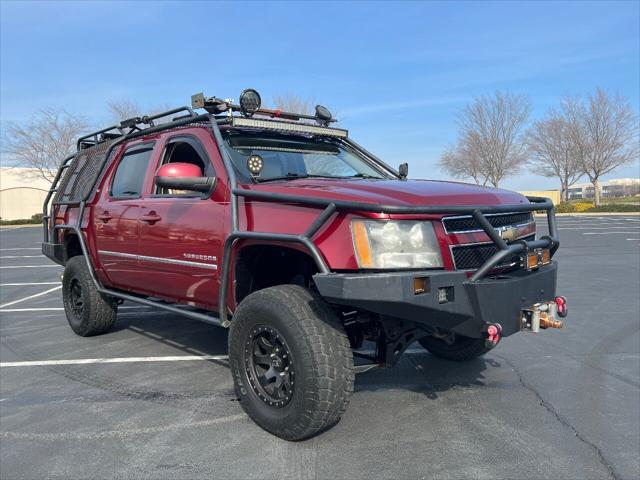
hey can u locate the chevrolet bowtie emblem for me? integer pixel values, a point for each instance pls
(508, 234)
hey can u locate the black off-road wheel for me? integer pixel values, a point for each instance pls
(88, 312)
(291, 362)
(456, 348)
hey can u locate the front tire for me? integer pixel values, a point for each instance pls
(88, 312)
(461, 349)
(291, 362)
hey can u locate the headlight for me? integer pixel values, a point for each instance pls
(395, 244)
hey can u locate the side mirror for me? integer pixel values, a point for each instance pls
(184, 176)
(403, 170)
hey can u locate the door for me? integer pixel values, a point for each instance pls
(116, 219)
(181, 233)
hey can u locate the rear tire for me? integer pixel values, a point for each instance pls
(291, 362)
(461, 350)
(88, 312)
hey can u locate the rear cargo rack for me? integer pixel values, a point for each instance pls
(106, 142)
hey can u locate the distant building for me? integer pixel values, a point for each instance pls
(620, 187)
(554, 195)
(22, 193)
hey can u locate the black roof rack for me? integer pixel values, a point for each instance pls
(224, 110)
(217, 105)
(129, 126)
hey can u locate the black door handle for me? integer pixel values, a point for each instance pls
(104, 216)
(151, 217)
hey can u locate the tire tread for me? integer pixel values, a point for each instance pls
(331, 362)
(99, 312)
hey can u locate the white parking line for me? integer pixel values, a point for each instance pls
(27, 284)
(174, 358)
(605, 233)
(31, 296)
(596, 220)
(84, 361)
(43, 309)
(575, 224)
(121, 433)
(21, 256)
(589, 227)
(31, 266)
(19, 248)
(633, 238)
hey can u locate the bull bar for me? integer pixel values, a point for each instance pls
(550, 241)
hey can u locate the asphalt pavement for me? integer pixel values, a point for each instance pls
(154, 397)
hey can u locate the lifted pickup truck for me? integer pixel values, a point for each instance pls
(320, 258)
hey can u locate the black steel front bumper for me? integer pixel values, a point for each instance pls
(469, 307)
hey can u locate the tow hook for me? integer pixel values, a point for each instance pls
(492, 334)
(545, 315)
(561, 306)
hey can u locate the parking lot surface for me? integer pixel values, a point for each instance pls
(154, 398)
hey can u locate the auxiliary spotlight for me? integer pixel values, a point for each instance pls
(255, 164)
(249, 102)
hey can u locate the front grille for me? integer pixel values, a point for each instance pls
(468, 223)
(471, 257)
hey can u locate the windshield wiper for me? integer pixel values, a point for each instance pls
(365, 175)
(288, 176)
(295, 176)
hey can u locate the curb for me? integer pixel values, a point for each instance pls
(6, 227)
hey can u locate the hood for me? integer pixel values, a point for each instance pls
(395, 192)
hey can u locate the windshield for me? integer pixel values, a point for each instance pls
(289, 157)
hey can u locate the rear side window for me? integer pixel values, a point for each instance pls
(129, 177)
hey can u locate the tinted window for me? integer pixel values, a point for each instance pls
(186, 151)
(298, 157)
(127, 182)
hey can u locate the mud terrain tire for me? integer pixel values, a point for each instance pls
(287, 330)
(88, 312)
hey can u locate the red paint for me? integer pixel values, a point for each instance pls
(176, 169)
(194, 229)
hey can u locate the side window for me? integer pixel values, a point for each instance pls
(185, 150)
(129, 177)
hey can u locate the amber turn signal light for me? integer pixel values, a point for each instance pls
(420, 285)
(361, 243)
(538, 258)
(546, 256)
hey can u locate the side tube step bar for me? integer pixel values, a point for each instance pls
(211, 319)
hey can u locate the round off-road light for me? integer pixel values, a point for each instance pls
(255, 165)
(323, 115)
(249, 101)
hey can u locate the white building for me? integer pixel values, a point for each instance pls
(611, 188)
(22, 193)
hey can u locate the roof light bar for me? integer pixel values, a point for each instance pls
(288, 127)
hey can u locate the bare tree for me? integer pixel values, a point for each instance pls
(553, 153)
(605, 132)
(290, 102)
(492, 127)
(124, 109)
(44, 141)
(462, 162)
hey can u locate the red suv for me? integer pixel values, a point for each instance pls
(320, 258)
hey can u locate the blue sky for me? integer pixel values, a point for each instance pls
(395, 73)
